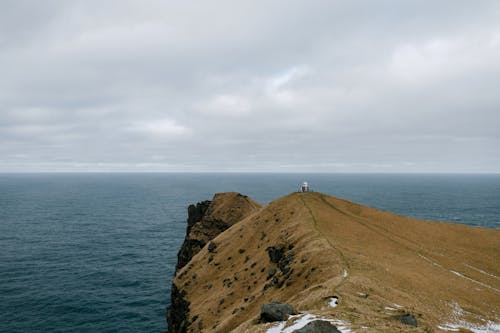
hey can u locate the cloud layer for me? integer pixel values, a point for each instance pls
(326, 86)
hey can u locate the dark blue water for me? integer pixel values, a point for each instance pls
(96, 252)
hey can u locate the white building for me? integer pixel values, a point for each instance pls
(304, 187)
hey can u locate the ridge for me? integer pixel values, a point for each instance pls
(307, 249)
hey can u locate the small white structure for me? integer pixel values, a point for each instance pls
(304, 187)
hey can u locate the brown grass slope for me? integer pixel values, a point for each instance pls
(377, 264)
(226, 208)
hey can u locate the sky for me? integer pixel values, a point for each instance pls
(250, 86)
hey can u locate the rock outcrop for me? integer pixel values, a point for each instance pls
(318, 326)
(407, 319)
(206, 220)
(384, 270)
(177, 311)
(275, 311)
(192, 244)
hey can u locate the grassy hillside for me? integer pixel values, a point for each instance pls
(376, 263)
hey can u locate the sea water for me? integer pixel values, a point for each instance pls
(96, 252)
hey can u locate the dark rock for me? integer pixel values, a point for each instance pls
(192, 246)
(285, 262)
(241, 251)
(271, 272)
(275, 253)
(206, 220)
(177, 311)
(275, 311)
(212, 247)
(278, 256)
(195, 213)
(407, 319)
(227, 283)
(187, 251)
(274, 282)
(318, 326)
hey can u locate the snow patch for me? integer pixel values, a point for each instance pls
(475, 281)
(429, 260)
(334, 301)
(463, 276)
(296, 322)
(445, 327)
(488, 327)
(456, 322)
(278, 328)
(483, 272)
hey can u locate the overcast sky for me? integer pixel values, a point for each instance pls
(286, 86)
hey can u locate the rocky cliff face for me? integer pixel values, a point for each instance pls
(192, 244)
(334, 262)
(206, 220)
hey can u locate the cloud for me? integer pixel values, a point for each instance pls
(249, 86)
(160, 128)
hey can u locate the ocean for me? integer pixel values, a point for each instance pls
(96, 252)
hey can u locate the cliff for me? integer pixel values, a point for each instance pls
(206, 220)
(362, 269)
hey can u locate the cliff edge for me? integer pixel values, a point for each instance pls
(206, 220)
(334, 262)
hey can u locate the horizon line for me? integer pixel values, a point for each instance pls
(252, 172)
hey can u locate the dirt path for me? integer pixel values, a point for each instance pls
(427, 255)
(346, 268)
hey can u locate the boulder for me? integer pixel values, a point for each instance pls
(407, 319)
(275, 311)
(318, 326)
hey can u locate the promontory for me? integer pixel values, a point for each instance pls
(310, 262)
